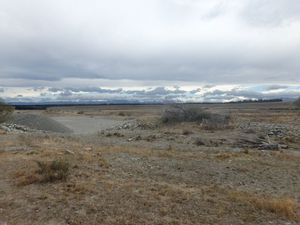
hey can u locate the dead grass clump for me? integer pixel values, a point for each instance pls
(56, 170)
(285, 207)
(186, 132)
(297, 102)
(208, 120)
(27, 180)
(24, 178)
(26, 140)
(199, 142)
(5, 111)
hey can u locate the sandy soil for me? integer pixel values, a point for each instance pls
(125, 167)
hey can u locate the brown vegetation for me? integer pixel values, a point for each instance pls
(186, 113)
(5, 111)
(177, 174)
(283, 206)
(55, 170)
(297, 102)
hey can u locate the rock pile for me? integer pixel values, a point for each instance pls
(11, 127)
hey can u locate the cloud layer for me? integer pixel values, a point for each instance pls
(159, 94)
(217, 41)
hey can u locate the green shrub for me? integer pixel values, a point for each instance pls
(5, 111)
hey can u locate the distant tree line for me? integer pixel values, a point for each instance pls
(258, 100)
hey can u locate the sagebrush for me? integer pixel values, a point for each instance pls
(54, 170)
(297, 102)
(185, 113)
(5, 111)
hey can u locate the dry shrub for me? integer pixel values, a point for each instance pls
(186, 132)
(26, 176)
(27, 180)
(285, 207)
(207, 120)
(121, 114)
(53, 171)
(26, 140)
(297, 102)
(5, 111)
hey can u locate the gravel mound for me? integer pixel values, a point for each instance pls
(39, 122)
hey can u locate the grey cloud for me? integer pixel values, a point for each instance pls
(54, 89)
(160, 94)
(276, 87)
(203, 41)
(66, 93)
(270, 12)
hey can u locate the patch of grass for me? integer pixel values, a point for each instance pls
(297, 102)
(56, 170)
(186, 132)
(5, 111)
(23, 179)
(26, 140)
(284, 206)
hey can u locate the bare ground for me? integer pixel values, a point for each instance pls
(144, 172)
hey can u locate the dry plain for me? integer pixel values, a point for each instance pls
(124, 166)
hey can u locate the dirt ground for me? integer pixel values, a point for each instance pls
(126, 167)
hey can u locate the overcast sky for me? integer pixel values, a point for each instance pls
(141, 43)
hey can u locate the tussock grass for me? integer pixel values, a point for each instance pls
(207, 120)
(285, 207)
(297, 102)
(54, 170)
(5, 111)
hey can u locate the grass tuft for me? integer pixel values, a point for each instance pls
(5, 111)
(207, 120)
(56, 170)
(284, 206)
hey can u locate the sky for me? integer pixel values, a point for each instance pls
(166, 50)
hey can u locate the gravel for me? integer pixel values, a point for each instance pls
(39, 122)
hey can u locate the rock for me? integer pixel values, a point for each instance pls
(199, 142)
(11, 127)
(284, 146)
(69, 152)
(266, 146)
(88, 148)
(151, 137)
(137, 138)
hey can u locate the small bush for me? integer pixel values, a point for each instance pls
(54, 170)
(186, 132)
(208, 120)
(297, 103)
(5, 111)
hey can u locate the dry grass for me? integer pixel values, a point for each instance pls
(115, 182)
(56, 170)
(229, 155)
(207, 120)
(5, 111)
(46, 171)
(297, 103)
(285, 207)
